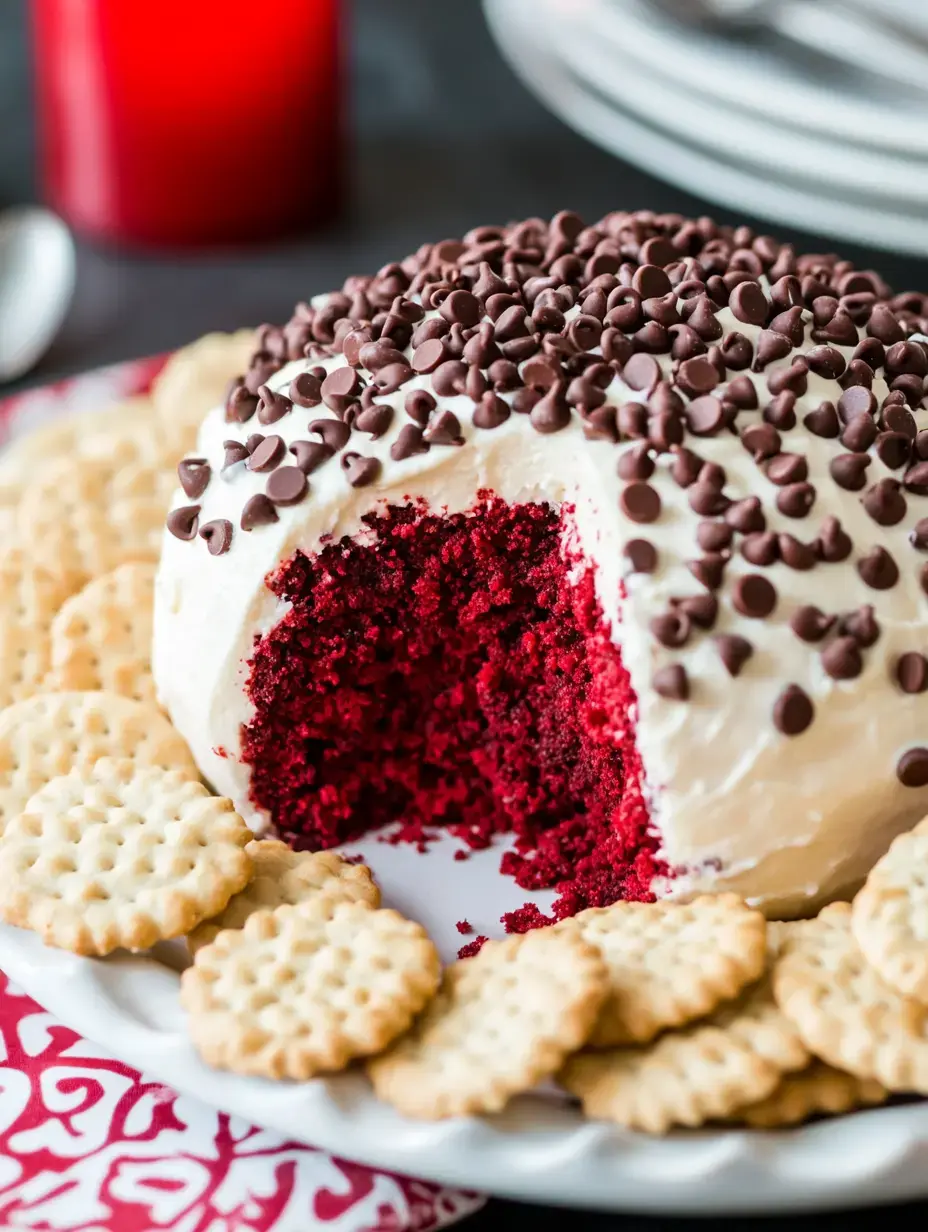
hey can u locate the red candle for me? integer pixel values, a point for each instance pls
(184, 123)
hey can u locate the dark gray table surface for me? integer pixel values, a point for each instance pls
(443, 138)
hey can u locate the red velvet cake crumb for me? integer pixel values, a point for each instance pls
(464, 927)
(447, 671)
(473, 948)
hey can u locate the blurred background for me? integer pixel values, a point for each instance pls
(804, 117)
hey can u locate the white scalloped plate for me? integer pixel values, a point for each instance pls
(540, 1149)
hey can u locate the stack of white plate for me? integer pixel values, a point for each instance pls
(758, 124)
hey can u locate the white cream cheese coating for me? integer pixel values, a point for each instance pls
(786, 820)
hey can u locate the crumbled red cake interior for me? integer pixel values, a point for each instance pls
(453, 671)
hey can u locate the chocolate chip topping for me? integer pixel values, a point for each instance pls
(878, 569)
(257, 511)
(912, 768)
(787, 468)
(753, 595)
(492, 411)
(796, 500)
(734, 651)
(918, 535)
(641, 555)
(194, 476)
(833, 544)
(640, 502)
(182, 522)
(241, 404)
(360, 471)
(714, 536)
(761, 548)
(340, 388)
(705, 416)
(746, 515)
(672, 683)
(823, 421)
(885, 502)
(409, 442)
(306, 390)
(861, 626)
(218, 536)
(271, 406)
(842, 659)
(672, 629)
(268, 454)
(810, 623)
(286, 486)
(333, 432)
(793, 711)
(749, 304)
(912, 672)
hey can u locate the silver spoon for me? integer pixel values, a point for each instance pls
(37, 270)
(872, 37)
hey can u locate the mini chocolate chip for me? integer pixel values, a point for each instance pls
(642, 372)
(665, 430)
(734, 651)
(795, 554)
(272, 407)
(702, 610)
(375, 419)
(796, 500)
(461, 307)
(703, 320)
(633, 421)
(781, 412)
(376, 355)
(742, 394)
(832, 544)
(672, 683)
(706, 499)
(793, 711)
(408, 442)
(769, 347)
(787, 468)
(286, 486)
(335, 433)
(810, 624)
(823, 421)
(705, 416)
(306, 390)
(858, 400)
(391, 377)
(182, 522)
(641, 555)
(893, 449)
(551, 413)
(898, 419)
(541, 374)
(640, 502)
(218, 536)
(884, 325)
(672, 629)
(885, 503)
(826, 361)
(842, 660)
(194, 475)
(257, 511)
(360, 471)
(749, 304)
(761, 548)
(524, 399)
(794, 379)
(848, 470)
(635, 462)
(861, 625)
(311, 454)
(859, 434)
(915, 479)
(714, 536)
(444, 428)
(236, 454)
(789, 323)
(697, 376)
(762, 440)
(753, 595)
(918, 535)
(878, 570)
(650, 282)
(746, 516)
(491, 411)
(419, 405)
(736, 352)
(686, 466)
(449, 378)
(708, 570)
(241, 404)
(253, 442)
(601, 424)
(912, 768)
(268, 454)
(340, 388)
(352, 343)
(912, 672)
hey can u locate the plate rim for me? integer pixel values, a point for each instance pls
(554, 1158)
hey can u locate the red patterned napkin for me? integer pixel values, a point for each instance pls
(89, 1145)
